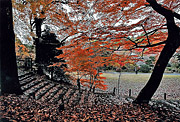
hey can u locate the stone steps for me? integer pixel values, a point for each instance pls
(68, 96)
(30, 85)
(27, 81)
(54, 91)
(25, 76)
(44, 90)
(36, 88)
(59, 96)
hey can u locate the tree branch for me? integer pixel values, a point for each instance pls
(176, 15)
(152, 45)
(163, 11)
(146, 35)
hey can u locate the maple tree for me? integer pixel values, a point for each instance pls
(114, 28)
(85, 58)
(171, 44)
(145, 26)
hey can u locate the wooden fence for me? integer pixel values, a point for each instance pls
(26, 63)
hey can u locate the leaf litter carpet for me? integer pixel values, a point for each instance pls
(79, 107)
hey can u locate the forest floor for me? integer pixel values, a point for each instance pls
(23, 109)
(103, 108)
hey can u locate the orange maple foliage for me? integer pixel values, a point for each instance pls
(124, 23)
(52, 12)
(83, 65)
(84, 58)
(119, 26)
(21, 50)
(97, 27)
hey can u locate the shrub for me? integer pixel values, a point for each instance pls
(144, 68)
(168, 65)
(169, 68)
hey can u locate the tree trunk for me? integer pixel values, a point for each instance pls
(172, 43)
(8, 67)
(150, 88)
(79, 85)
(119, 82)
(38, 23)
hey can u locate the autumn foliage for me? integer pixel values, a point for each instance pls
(84, 58)
(21, 50)
(83, 62)
(128, 24)
(100, 32)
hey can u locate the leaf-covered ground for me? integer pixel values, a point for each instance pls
(22, 108)
(97, 107)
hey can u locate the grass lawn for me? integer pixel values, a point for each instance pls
(170, 84)
(137, 77)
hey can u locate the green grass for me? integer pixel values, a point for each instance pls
(136, 78)
(126, 77)
(172, 76)
(169, 84)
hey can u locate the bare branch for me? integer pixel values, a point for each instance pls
(146, 35)
(176, 15)
(152, 45)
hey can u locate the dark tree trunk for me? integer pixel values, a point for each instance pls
(8, 66)
(38, 23)
(79, 84)
(172, 43)
(37, 50)
(148, 91)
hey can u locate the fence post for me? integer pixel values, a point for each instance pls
(52, 70)
(129, 92)
(28, 63)
(114, 91)
(31, 64)
(164, 96)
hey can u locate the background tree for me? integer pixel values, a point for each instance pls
(150, 61)
(8, 66)
(53, 13)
